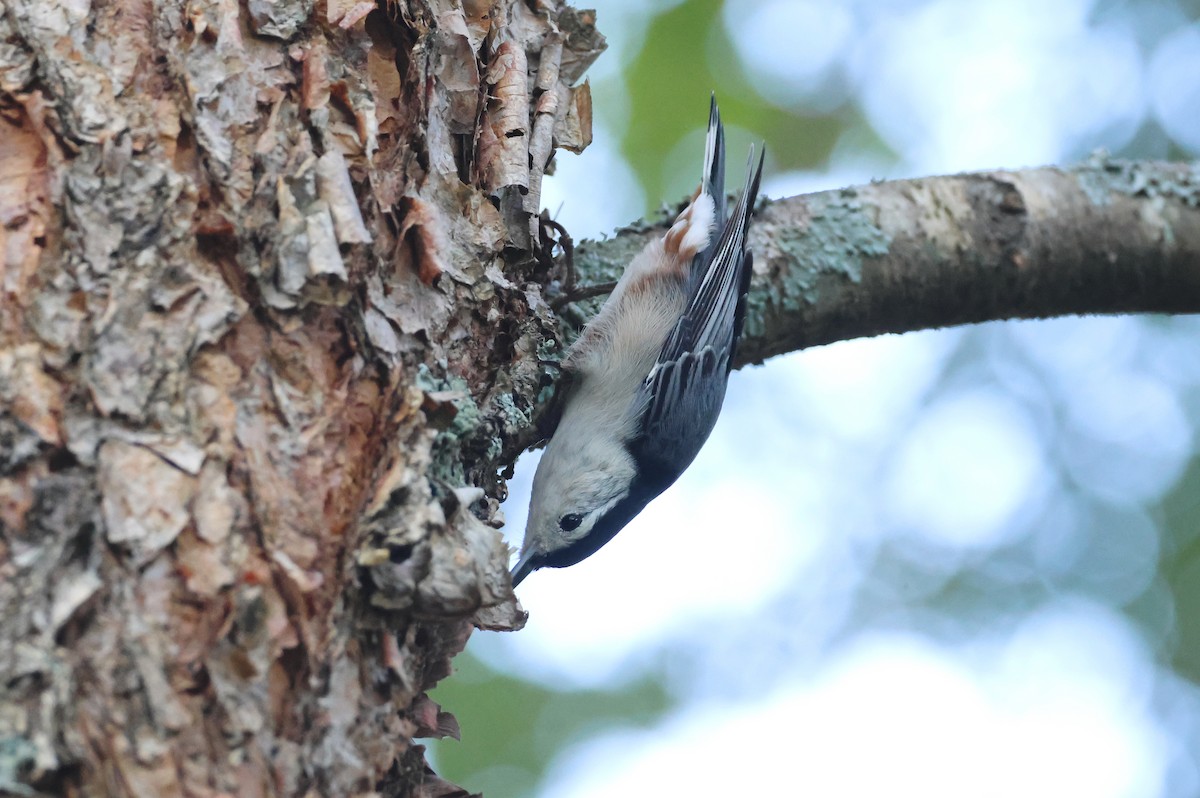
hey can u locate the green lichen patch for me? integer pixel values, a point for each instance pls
(829, 247)
(1102, 176)
(457, 418)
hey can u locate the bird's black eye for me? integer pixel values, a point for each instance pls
(570, 521)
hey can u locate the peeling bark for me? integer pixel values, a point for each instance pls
(271, 326)
(263, 326)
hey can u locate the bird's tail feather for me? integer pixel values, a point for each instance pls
(712, 181)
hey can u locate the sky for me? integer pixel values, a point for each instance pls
(903, 565)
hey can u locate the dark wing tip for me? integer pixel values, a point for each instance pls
(746, 206)
(753, 178)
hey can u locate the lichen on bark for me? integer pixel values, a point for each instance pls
(267, 318)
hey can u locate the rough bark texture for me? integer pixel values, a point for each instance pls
(265, 319)
(1103, 237)
(270, 327)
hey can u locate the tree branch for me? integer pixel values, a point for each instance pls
(890, 257)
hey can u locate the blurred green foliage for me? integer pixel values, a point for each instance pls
(1180, 516)
(512, 729)
(687, 55)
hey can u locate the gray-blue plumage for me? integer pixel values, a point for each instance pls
(682, 395)
(647, 374)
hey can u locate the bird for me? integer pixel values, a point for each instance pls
(646, 377)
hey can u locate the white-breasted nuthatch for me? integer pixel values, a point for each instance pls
(647, 375)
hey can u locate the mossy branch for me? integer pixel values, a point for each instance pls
(895, 256)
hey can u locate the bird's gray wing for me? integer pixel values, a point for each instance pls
(681, 397)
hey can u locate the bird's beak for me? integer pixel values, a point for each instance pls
(523, 568)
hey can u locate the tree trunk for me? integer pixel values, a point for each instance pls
(264, 319)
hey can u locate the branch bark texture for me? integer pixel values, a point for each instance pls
(890, 257)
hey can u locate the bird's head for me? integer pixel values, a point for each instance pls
(581, 498)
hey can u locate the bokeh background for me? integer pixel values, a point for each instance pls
(961, 562)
